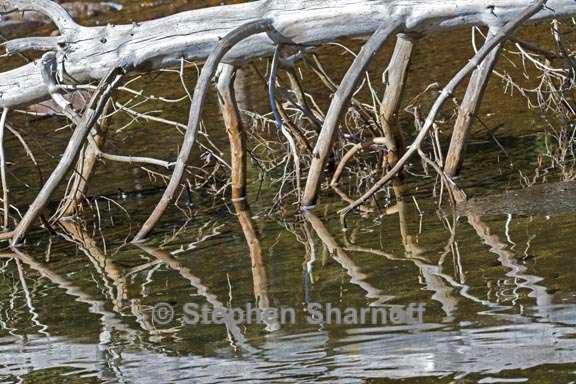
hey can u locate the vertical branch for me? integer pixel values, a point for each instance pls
(85, 166)
(234, 129)
(5, 191)
(468, 109)
(301, 101)
(278, 118)
(224, 45)
(337, 107)
(395, 84)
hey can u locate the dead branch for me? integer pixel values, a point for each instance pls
(234, 129)
(93, 111)
(339, 102)
(474, 63)
(209, 69)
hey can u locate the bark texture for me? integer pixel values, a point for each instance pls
(88, 54)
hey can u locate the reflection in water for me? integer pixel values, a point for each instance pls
(259, 274)
(352, 269)
(432, 274)
(30, 353)
(468, 329)
(234, 332)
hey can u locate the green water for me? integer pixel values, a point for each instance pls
(495, 282)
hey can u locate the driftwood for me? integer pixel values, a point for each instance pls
(236, 34)
(75, 9)
(88, 54)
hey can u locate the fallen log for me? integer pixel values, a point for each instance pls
(89, 53)
(76, 9)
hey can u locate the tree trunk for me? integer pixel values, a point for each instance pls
(88, 54)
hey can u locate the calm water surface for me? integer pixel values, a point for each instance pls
(497, 282)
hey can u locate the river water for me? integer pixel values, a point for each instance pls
(495, 284)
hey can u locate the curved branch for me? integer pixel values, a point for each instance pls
(49, 8)
(352, 151)
(209, 69)
(31, 44)
(339, 102)
(474, 63)
(48, 69)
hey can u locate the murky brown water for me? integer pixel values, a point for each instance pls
(496, 286)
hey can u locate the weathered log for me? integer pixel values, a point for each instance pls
(89, 53)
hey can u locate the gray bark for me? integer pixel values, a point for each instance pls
(87, 54)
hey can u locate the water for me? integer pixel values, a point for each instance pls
(495, 284)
